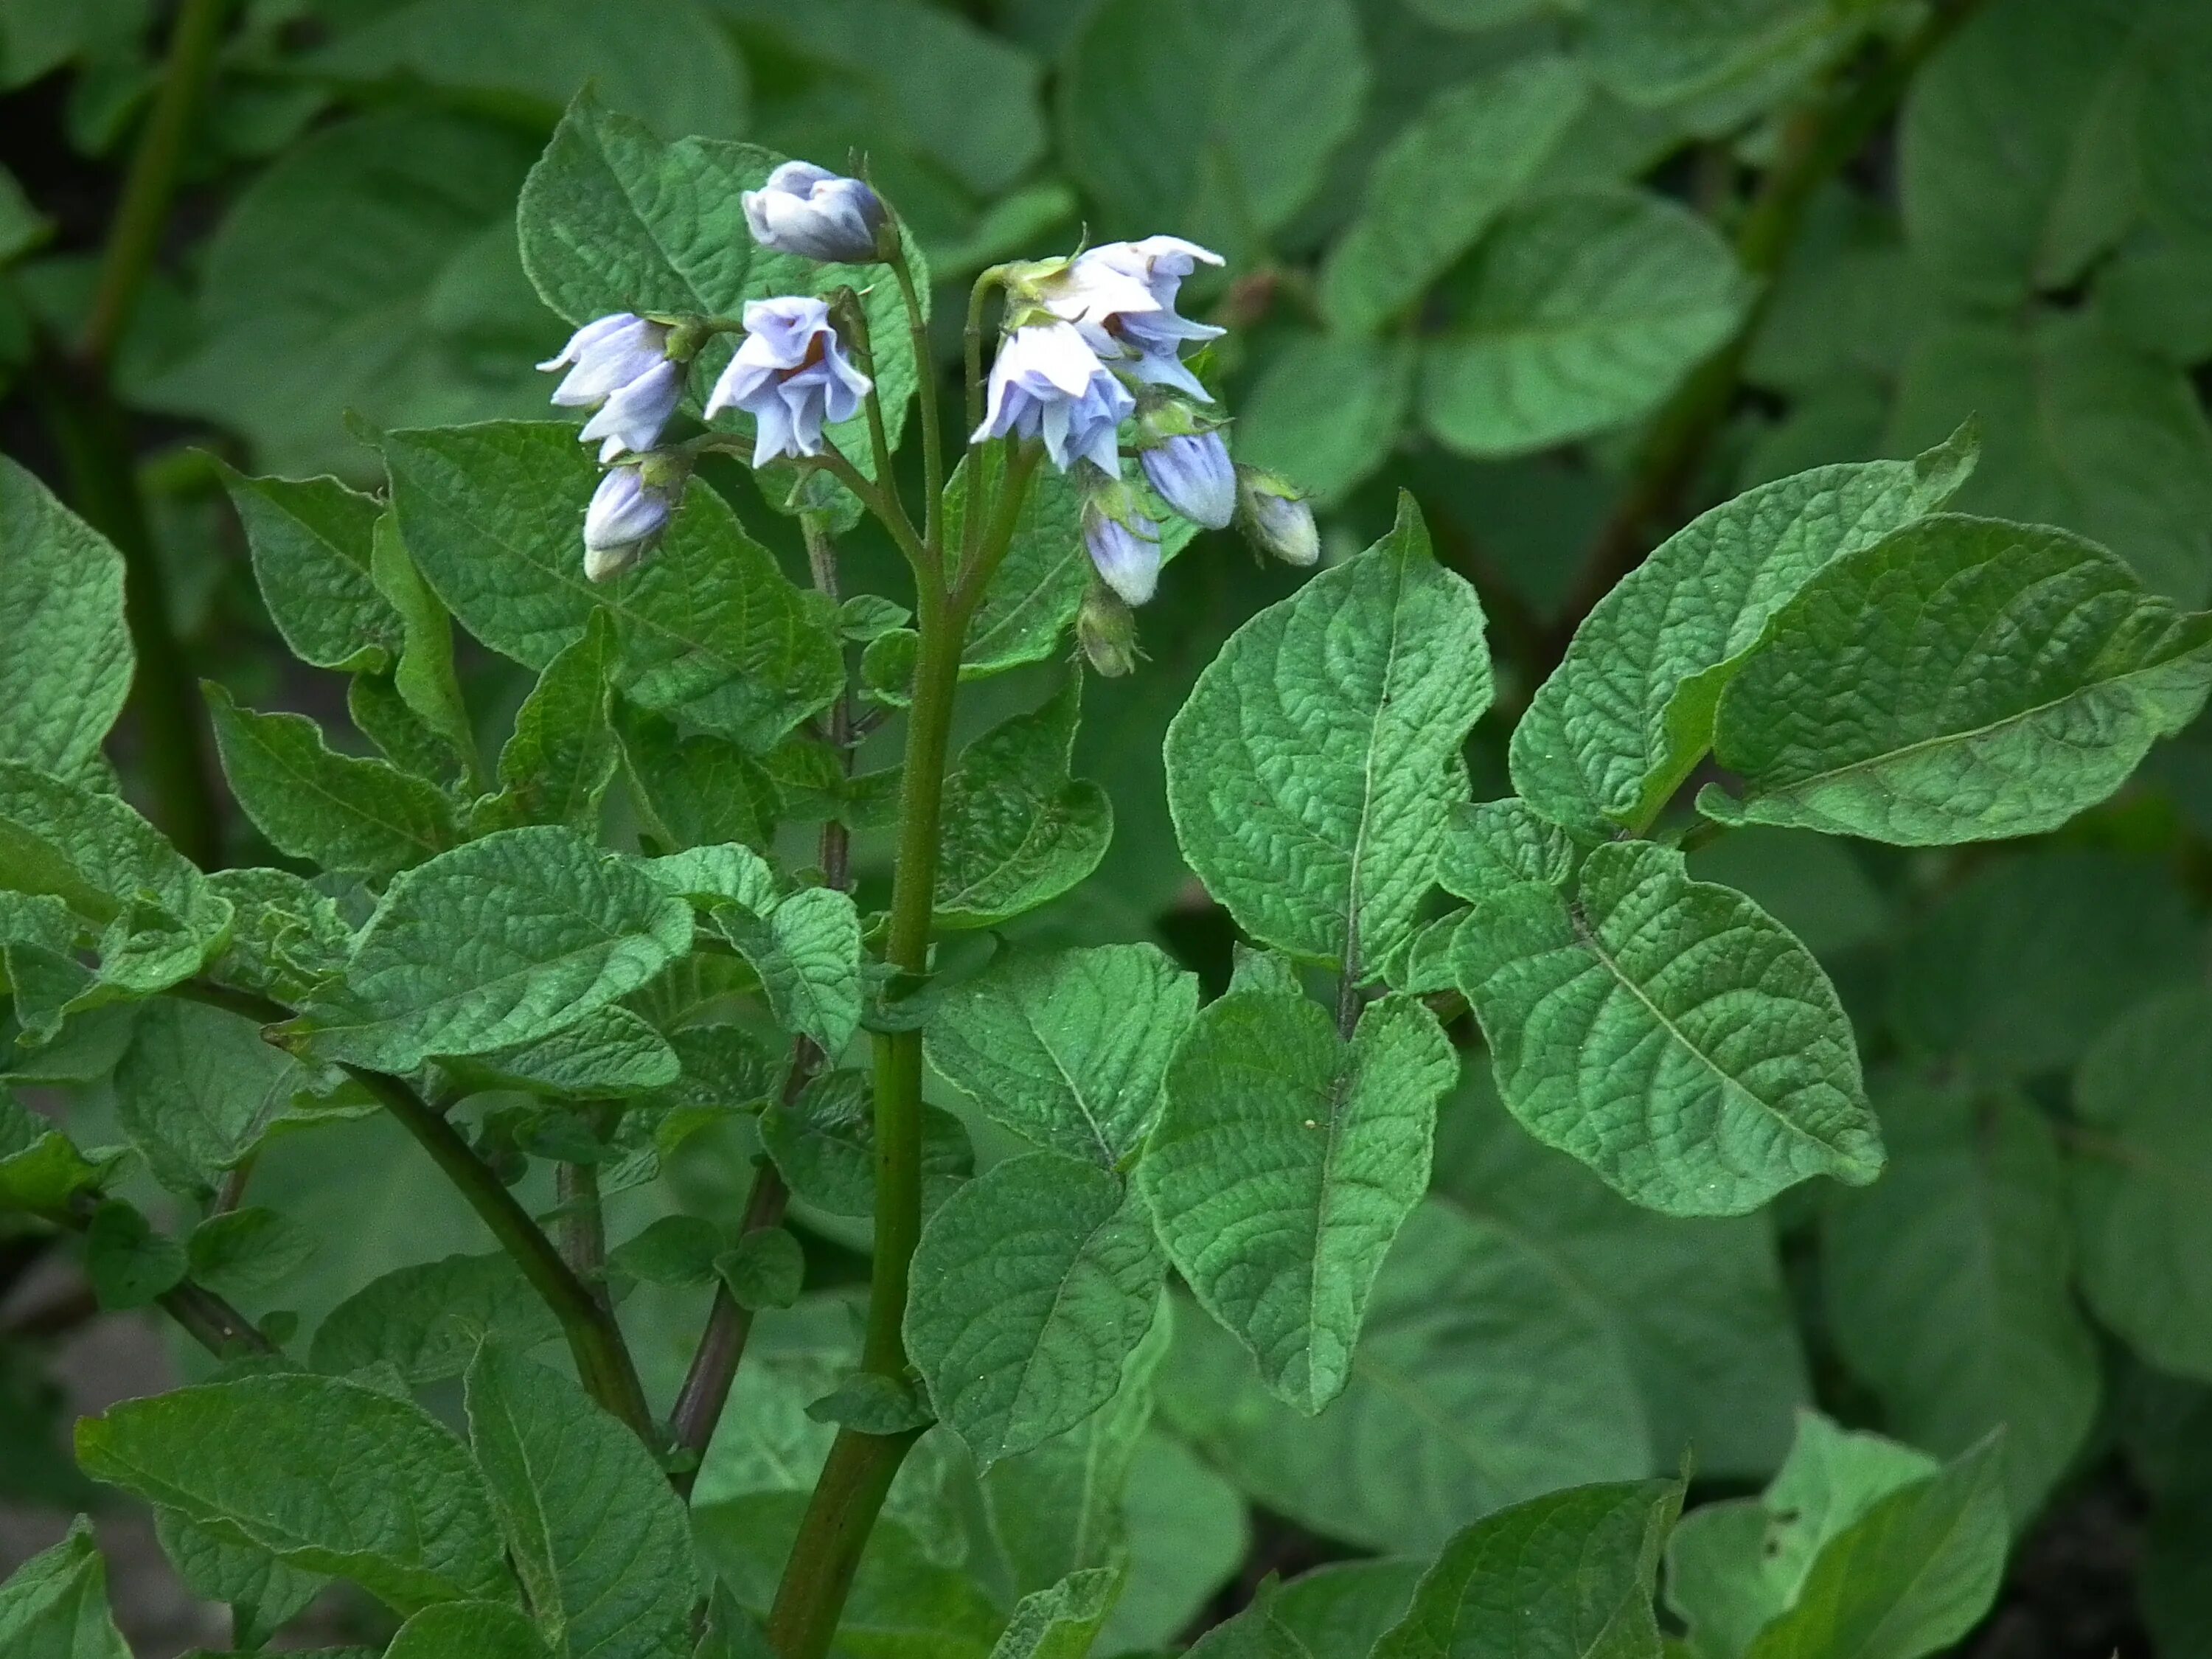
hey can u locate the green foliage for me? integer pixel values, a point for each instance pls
(55, 1605)
(68, 669)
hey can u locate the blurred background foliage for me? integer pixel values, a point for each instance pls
(1569, 269)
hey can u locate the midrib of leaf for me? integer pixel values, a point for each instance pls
(1943, 739)
(651, 235)
(1367, 775)
(1075, 1088)
(1587, 936)
(1400, 1387)
(1059, 1295)
(1873, 1642)
(308, 785)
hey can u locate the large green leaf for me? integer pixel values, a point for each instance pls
(1483, 1378)
(311, 541)
(1069, 1049)
(67, 668)
(1613, 733)
(1216, 117)
(708, 627)
(261, 1591)
(326, 1475)
(1963, 680)
(1062, 1622)
(1444, 178)
(1313, 768)
(807, 953)
(1570, 1574)
(344, 812)
(55, 1605)
(1578, 312)
(1017, 829)
(556, 767)
(1284, 1164)
(597, 1536)
(1669, 1033)
(427, 1320)
(501, 941)
(1032, 1284)
(2141, 1225)
(371, 270)
(1948, 1287)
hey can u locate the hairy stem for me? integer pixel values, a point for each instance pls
(1817, 143)
(143, 214)
(602, 1359)
(582, 1236)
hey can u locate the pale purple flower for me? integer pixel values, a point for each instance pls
(1124, 547)
(791, 375)
(1195, 476)
(815, 214)
(1047, 383)
(619, 365)
(625, 516)
(1122, 296)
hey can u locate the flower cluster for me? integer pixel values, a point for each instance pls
(1090, 367)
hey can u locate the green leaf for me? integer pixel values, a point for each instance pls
(500, 942)
(1578, 313)
(1494, 844)
(129, 1263)
(261, 1591)
(1949, 1288)
(198, 1091)
(614, 219)
(1571, 1573)
(1311, 771)
(285, 936)
(873, 1404)
(2018, 740)
(824, 1146)
(1443, 180)
(694, 790)
(424, 678)
(55, 1605)
(1216, 116)
(1018, 830)
(556, 767)
(765, 1268)
(675, 1249)
(1734, 1567)
(1032, 1284)
(1669, 1034)
(241, 1252)
(1345, 1607)
(94, 853)
(2079, 429)
(707, 627)
(1695, 1307)
(427, 1320)
(41, 1169)
(1283, 1165)
(1062, 1622)
(340, 812)
(1728, 58)
(807, 953)
(1912, 1575)
(2141, 1228)
(1327, 410)
(326, 1475)
(2068, 77)
(67, 670)
(1613, 733)
(597, 1537)
(1069, 1048)
(2016, 969)
(467, 1630)
(310, 540)
(371, 270)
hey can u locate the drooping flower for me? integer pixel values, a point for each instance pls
(1122, 296)
(626, 516)
(815, 214)
(1123, 543)
(1195, 476)
(1047, 383)
(791, 375)
(1275, 516)
(619, 364)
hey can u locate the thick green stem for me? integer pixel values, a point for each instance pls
(1817, 143)
(135, 235)
(602, 1359)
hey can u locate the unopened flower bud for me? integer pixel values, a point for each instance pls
(1123, 543)
(815, 214)
(619, 365)
(627, 514)
(1275, 517)
(1193, 475)
(1106, 630)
